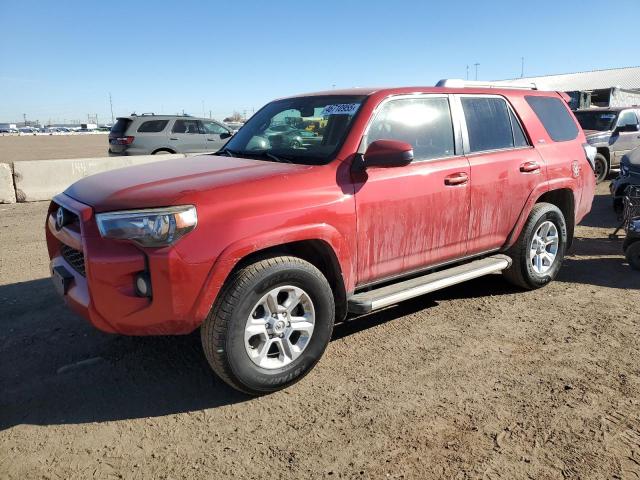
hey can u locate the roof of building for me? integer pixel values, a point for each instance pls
(627, 78)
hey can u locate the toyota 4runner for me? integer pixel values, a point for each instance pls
(265, 244)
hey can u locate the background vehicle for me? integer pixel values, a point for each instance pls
(291, 136)
(266, 244)
(150, 134)
(613, 131)
(629, 175)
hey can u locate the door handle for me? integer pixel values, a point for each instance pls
(459, 178)
(173, 139)
(211, 140)
(529, 167)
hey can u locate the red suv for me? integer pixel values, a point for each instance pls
(268, 242)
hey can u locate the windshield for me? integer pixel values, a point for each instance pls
(596, 120)
(307, 130)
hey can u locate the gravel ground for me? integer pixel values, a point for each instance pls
(14, 148)
(476, 381)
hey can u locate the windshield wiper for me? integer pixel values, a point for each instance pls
(228, 152)
(265, 153)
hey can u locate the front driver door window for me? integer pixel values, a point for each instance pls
(625, 141)
(215, 135)
(186, 136)
(412, 217)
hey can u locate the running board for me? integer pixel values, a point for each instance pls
(366, 302)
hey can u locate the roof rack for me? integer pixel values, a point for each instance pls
(459, 83)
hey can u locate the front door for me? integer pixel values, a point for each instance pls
(215, 135)
(186, 136)
(626, 137)
(414, 216)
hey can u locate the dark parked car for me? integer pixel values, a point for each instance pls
(629, 175)
(291, 136)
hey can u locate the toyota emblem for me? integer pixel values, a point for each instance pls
(60, 218)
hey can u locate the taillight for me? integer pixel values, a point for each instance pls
(590, 152)
(125, 140)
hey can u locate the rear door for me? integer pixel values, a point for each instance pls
(505, 169)
(187, 136)
(622, 142)
(414, 216)
(215, 135)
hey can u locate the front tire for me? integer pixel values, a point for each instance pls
(538, 253)
(601, 168)
(270, 325)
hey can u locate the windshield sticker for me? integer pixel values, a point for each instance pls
(340, 109)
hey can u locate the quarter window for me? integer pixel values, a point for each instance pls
(425, 123)
(519, 138)
(488, 123)
(186, 126)
(554, 116)
(153, 126)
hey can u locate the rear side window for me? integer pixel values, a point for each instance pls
(120, 127)
(555, 117)
(186, 126)
(425, 123)
(153, 126)
(488, 123)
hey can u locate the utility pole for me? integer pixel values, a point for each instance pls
(476, 65)
(24, 116)
(210, 114)
(522, 67)
(467, 72)
(203, 114)
(111, 105)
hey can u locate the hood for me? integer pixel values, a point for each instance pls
(165, 182)
(597, 133)
(632, 159)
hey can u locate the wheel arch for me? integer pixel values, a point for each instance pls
(563, 199)
(163, 149)
(320, 245)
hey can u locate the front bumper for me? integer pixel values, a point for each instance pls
(102, 288)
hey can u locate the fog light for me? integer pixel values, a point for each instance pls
(143, 285)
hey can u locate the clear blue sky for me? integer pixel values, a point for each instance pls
(59, 60)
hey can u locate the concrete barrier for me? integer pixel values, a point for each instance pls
(37, 180)
(7, 191)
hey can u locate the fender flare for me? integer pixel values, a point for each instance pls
(235, 252)
(534, 196)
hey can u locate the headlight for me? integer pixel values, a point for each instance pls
(624, 170)
(154, 227)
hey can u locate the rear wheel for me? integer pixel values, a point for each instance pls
(601, 168)
(537, 254)
(162, 152)
(270, 325)
(632, 254)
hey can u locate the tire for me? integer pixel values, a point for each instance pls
(524, 270)
(224, 333)
(632, 255)
(162, 152)
(602, 168)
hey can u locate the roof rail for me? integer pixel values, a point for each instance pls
(459, 83)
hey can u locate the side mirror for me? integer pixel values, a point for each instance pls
(225, 135)
(629, 127)
(388, 153)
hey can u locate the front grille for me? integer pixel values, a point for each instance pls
(73, 258)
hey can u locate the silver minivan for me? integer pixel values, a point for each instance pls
(150, 134)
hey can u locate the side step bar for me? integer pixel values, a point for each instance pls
(366, 302)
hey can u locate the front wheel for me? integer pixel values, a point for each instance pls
(601, 168)
(537, 254)
(270, 325)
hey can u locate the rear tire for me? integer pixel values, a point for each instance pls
(162, 152)
(601, 168)
(632, 254)
(538, 253)
(270, 359)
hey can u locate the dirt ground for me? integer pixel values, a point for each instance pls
(14, 148)
(477, 381)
